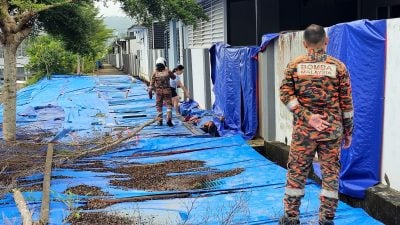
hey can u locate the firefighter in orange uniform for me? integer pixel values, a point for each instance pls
(317, 90)
(160, 84)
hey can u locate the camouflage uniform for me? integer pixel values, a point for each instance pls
(316, 84)
(160, 83)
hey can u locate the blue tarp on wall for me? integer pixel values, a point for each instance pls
(361, 46)
(234, 75)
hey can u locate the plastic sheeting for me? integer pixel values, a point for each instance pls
(251, 197)
(266, 39)
(72, 108)
(234, 75)
(361, 46)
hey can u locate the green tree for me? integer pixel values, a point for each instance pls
(89, 34)
(47, 55)
(18, 18)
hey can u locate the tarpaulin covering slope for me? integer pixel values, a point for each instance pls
(253, 196)
(76, 107)
(361, 46)
(234, 75)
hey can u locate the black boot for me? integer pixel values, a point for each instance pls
(326, 222)
(169, 123)
(160, 123)
(289, 221)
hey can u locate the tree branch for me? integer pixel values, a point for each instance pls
(26, 16)
(23, 34)
(2, 38)
(4, 16)
(44, 212)
(116, 142)
(23, 208)
(23, 19)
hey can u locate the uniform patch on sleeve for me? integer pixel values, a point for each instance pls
(316, 69)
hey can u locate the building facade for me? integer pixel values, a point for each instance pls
(22, 61)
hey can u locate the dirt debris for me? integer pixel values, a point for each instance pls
(86, 190)
(99, 218)
(174, 175)
(96, 166)
(96, 203)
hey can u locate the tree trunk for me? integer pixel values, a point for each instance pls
(83, 65)
(9, 92)
(47, 71)
(78, 65)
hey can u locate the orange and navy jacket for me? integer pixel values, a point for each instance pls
(161, 79)
(318, 84)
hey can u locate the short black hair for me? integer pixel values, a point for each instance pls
(179, 67)
(314, 34)
(160, 67)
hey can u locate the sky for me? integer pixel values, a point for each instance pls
(112, 9)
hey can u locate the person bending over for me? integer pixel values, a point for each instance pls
(175, 84)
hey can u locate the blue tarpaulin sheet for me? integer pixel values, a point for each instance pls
(234, 75)
(361, 46)
(252, 196)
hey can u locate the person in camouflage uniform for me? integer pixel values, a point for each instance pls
(160, 84)
(317, 90)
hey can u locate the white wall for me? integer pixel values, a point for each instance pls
(198, 74)
(144, 57)
(287, 47)
(391, 143)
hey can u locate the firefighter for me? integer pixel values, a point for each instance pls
(160, 84)
(317, 90)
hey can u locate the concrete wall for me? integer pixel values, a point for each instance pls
(391, 144)
(113, 59)
(201, 78)
(286, 47)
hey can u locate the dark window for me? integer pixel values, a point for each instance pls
(242, 23)
(382, 12)
(395, 11)
(158, 35)
(166, 44)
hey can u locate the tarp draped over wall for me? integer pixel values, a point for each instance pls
(234, 75)
(361, 46)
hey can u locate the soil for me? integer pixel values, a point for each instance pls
(97, 166)
(32, 188)
(159, 177)
(96, 203)
(17, 161)
(86, 190)
(99, 218)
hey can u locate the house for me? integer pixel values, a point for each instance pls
(22, 61)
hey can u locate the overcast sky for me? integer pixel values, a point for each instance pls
(112, 9)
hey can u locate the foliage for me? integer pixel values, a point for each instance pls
(146, 11)
(47, 55)
(78, 26)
